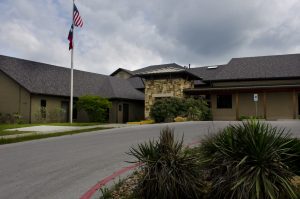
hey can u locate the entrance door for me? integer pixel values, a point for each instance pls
(125, 113)
(64, 116)
(298, 106)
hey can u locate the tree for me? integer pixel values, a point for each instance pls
(95, 106)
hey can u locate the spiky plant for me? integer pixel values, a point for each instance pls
(251, 160)
(168, 172)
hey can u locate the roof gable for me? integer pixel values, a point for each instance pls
(121, 69)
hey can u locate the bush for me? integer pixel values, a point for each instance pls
(244, 117)
(14, 118)
(168, 172)
(166, 109)
(251, 160)
(180, 119)
(95, 106)
(197, 109)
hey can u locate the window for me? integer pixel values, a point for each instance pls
(43, 108)
(208, 100)
(224, 101)
(43, 103)
(120, 107)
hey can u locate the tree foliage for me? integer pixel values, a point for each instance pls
(96, 107)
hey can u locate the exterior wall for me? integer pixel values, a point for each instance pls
(53, 108)
(13, 98)
(280, 105)
(273, 103)
(224, 113)
(164, 88)
(82, 116)
(276, 105)
(122, 74)
(247, 106)
(136, 111)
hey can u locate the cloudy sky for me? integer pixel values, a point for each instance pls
(137, 33)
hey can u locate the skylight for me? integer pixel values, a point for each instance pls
(212, 67)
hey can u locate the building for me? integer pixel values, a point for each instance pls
(266, 86)
(27, 86)
(230, 89)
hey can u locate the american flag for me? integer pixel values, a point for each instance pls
(76, 17)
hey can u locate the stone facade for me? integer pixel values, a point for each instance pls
(158, 88)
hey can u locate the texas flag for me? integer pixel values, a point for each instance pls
(70, 38)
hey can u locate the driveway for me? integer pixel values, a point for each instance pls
(65, 167)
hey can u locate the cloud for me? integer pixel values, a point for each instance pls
(133, 34)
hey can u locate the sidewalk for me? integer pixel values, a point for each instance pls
(44, 129)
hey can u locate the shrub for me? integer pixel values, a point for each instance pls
(166, 109)
(251, 160)
(244, 117)
(168, 172)
(95, 106)
(14, 118)
(17, 118)
(197, 109)
(180, 119)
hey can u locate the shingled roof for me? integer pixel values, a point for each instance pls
(159, 68)
(121, 69)
(250, 68)
(40, 78)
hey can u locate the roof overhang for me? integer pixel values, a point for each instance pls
(168, 74)
(243, 88)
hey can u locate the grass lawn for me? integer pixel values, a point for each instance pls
(13, 126)
(3, 127)
(41, 136)
(3, 133)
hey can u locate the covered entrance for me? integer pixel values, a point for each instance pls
(125, 113)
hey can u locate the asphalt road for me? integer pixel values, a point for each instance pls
(66, 167)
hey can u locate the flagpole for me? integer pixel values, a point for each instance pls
(72, 62)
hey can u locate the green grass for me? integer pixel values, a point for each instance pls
(41, 136)
(12, 126)
(4, 133)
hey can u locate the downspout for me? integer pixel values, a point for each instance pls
(19, 108)
(30, 109)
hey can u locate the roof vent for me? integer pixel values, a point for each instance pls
(212, 67)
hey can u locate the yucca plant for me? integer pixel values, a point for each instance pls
(251, 160)
(168, 172)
